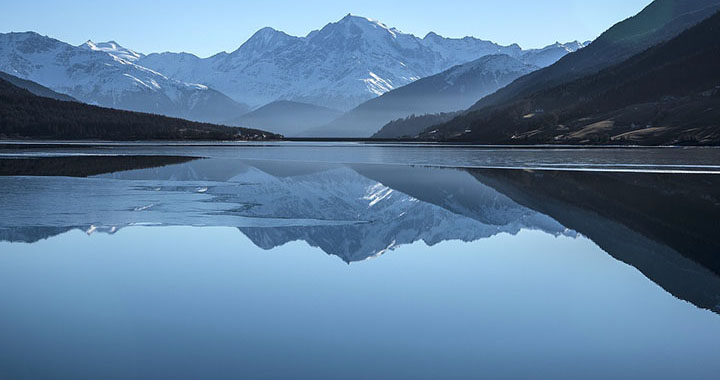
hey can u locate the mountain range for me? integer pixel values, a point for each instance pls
(339, 66)
(452, 90)
(101, 78)
(669, 94)
(358, 78)
(647, 80)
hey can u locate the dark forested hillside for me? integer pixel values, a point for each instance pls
(660, 21)
(27, 116)
(668, 94)
(413, 125)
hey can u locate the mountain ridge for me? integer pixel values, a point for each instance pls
(660, 21)
(35, 88)
(669, 94)
(452, 90)
(100, 75)
(338, 66)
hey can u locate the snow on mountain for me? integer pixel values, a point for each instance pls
(452, 90)
(467, 49)
(107, 75)
(550, 54)
(113, 48)
(339, 66)
(386, 218)
(355, 212)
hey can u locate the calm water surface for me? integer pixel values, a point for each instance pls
(151, 261)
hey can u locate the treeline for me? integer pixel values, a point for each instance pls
(27, 116)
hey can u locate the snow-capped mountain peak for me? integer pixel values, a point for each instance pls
(264, 41)
(358, 31)
(114, 49)
(367, 23)
(550, 54)
(568, 46)
(339, 66)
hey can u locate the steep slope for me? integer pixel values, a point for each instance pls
(452, 90)
(669, 94)
(339, 66)
(24, 115)
(286, 118)
(660, 21)
(35, 88)
(100, 75)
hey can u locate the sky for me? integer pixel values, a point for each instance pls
(208, 27)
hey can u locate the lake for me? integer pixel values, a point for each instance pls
(357, 261)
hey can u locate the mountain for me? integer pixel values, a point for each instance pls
(550, 54)
(452, 90)
(101, 74)
(660, 21)
(25, 115)
(35, 89)
(339, 66)
(286, 118)
(114, 49)
(669, 94)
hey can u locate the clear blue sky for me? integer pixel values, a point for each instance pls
(207, 27)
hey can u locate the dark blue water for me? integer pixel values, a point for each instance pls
(239, 267)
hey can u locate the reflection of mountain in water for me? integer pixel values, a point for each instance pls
(386, 216)
(83, 166)
(664, 225)
(332, 207)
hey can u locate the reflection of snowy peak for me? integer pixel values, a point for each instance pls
(384, 217)
(339, 66)
(107, 74)
(332, 207)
